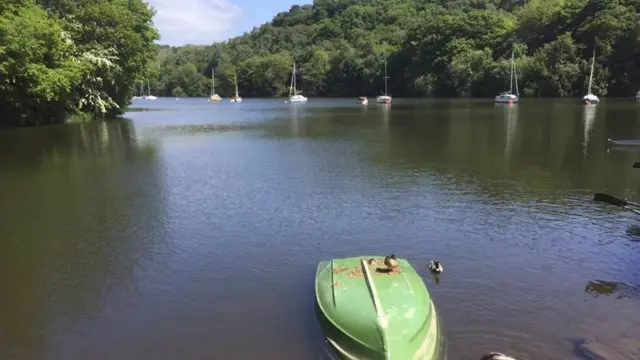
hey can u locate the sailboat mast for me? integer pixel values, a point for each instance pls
(511, 75)
(148, 87)
(593, 62)
(213, 81)
(235, 79)
(385, 77)
(515, 77)
(293, 77)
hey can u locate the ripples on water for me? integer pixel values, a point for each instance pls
(193, 230)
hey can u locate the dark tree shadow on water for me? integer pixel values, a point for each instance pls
(578, 351)
(633, 231)
(607, 288)
(609, 349)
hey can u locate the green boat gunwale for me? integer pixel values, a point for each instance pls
(324, 311)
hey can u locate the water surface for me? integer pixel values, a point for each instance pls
(192, 230)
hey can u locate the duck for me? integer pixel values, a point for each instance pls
(496, 356)
(436, 267)
(391, 261)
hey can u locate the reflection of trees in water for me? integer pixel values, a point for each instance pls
(634, 232)
(80, 208)
(153, 132)
(304, 121)
(608, 288)
(27, 147)
(544, 150)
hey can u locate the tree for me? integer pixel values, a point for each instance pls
(63, 59)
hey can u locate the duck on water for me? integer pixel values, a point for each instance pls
(496, 356)
(436, 267)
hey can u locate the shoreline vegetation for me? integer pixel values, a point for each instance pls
(71, 60)
(434, 48)
(74, 60)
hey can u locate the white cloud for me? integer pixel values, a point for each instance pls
(194, 21)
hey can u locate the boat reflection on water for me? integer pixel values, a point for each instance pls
(589, 117)
(608, 288)
(386, 108)
(511, 120)
(629, 149)
(294, 122)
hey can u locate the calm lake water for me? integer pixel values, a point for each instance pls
(192, 230)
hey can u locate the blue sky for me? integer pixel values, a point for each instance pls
(205, 21)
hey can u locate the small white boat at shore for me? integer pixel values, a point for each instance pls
(363, 100)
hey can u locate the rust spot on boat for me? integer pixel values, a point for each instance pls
(377, 265)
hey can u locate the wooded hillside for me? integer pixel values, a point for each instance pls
(434, 48)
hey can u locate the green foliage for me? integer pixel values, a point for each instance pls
(63, 59)
(434, 48)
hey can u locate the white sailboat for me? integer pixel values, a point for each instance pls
(385, 98)
(149, 97)
(236, 98)
(638, 96)
(214, 96)
(141, 96)
(294, 95)
(591, 99)
(508, 97)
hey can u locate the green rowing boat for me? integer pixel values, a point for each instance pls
(371, 310)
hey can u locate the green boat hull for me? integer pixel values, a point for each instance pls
(369, 312)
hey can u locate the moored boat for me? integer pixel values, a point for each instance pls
(214, 96)
(384, 98)
(363, 100)
(149, 97)
(295, 95)
(508, 97)
(590, 99)
(236, 98)
(370, 311)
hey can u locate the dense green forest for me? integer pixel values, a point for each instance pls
(441, 48)
(71, 59)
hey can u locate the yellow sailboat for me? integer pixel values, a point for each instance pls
(214, 96)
